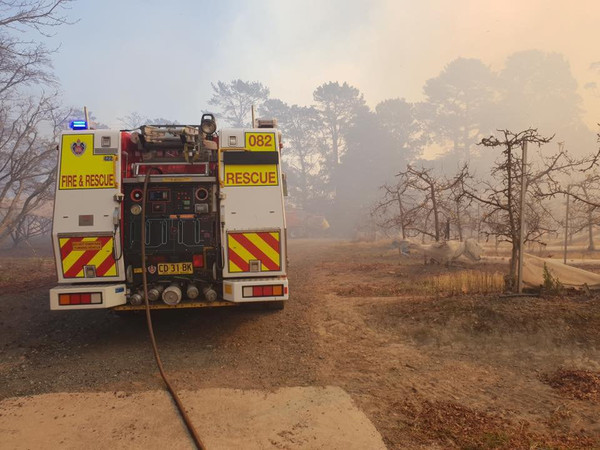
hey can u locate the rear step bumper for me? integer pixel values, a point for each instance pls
(182, 305)
(247, 290)
(88, 296)
(113, 295)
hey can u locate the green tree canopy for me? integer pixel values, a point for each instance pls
(234, 100)
(462, 101)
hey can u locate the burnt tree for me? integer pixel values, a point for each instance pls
(435, 194)
(501, 196)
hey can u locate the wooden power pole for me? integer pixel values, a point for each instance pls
(566, 226)
(522, 218)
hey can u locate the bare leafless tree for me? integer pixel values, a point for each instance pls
(590, 188)
(585, 207)
(28, 121)
(30, 226)
(419, 200)
(586, 189)
(27, 158)
(500, 196)
(435, 192)
(394, 209)
(458, 204)
(24, 62)
(133, 120)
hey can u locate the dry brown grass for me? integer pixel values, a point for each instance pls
(467, 282)
(441, 285)
(20, 274)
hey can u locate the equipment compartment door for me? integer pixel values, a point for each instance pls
(86, 230)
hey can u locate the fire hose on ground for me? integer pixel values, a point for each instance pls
(186, 419)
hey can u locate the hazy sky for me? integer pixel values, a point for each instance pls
(159, 58)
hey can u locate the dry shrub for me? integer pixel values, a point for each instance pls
(456, 426)
(578, 384)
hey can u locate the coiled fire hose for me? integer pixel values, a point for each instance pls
(186, 419)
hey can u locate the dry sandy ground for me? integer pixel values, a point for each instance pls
(427, 369)
(289, 418)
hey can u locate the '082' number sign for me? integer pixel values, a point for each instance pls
(260, 142)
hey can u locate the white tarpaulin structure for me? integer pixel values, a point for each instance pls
(533, 266)
(448, 251)
(568, 276)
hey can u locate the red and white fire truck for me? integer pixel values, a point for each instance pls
(211, 205)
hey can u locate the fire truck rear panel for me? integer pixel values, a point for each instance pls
(214, 227)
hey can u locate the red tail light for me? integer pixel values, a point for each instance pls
(85, 298)
(267, 291)
(198, 260)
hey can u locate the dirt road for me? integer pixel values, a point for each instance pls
(428, 370)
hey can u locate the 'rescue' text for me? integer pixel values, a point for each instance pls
(252, 178)
(251, 175)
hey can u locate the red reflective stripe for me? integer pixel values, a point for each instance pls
(256, 252)
(85, 258)
(68, 247)
(106, 265)
(238, 261)
(269, 239)
(82, 261)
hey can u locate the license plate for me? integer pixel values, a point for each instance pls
(175, 268)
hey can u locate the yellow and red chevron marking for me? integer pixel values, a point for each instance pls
(77, 252)
(245, 247)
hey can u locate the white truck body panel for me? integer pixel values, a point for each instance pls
(87, 214)
(252, 208)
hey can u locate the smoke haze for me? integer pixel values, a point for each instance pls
(160, 57)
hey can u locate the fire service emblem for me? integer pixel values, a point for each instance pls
(78, 148)
(152, 270)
